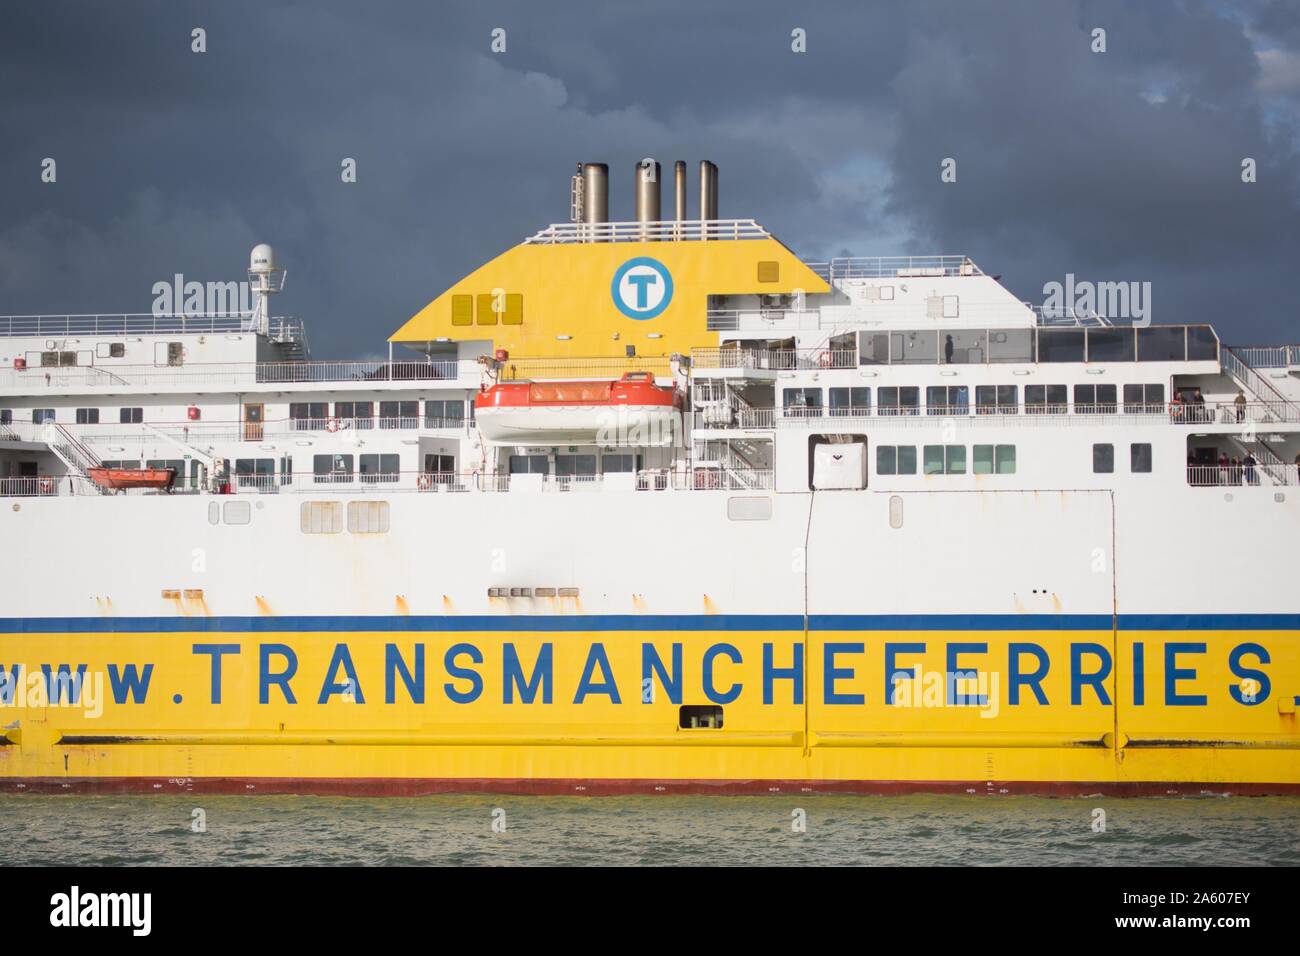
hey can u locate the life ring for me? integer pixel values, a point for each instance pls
(425, 481)
(825, 359)
(332, 425)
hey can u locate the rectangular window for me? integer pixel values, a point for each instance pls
(1094, 399)
(331, 469)
(42, 415)
(620, 463)
(399, 414)
(982, 460)
(440, 464)
(256, 473)
(1046, 399)
(1011, 345)
(131, 416)
(802, 402)
(902, 400)
(997, 399)
(932, 463)
(1103, 459)
(1110, 345)
(1004, 458)
(1162, 343)
(944, 460)
(579, 467)
(1060, 345)
(529, 465)
(914, 348)
(444, 413)
(1139, 458)
(850, 401)
(896, 459)
(513, 314)
(462, 310)
(873, 348)
(1201, 344)
(487, 307)
(1144, 399)
(947, 400)
(87, 416)
(964, 347)
(308, 416)
(6, 416)
(355, 414)
(380, 468)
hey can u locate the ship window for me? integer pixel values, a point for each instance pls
(1103, 459)
(1162, 343)
(1201, 343)
(131, 416)
(328, 469)
(308, 416)
(87, 416)
(947, 400)
(575, 466)
(544, 592)
(996, 399)
(620, 463)
(968, 347)
(175, 353)
(529, 465)
(42, 415)
(116, 349)
(944, 460)
(914, 348)
(1011, 345)
(255, 473)
(368, 517)
(569, 592)
(994, 460)
(1049, 399)
(1094, 399)
(380, 468)
(769, 270)
(700, 717)
(1139, 458)
(235, 512)
(873, 348)
(851, 401)
(321, 517)
(513, 314)
(1144, 399)
(462, 310)
(439, 413)
(399, 414)
(802, 402)
(1110, 345)
(439, 464)
(487, 309)
(904, 400)
(6, 416)
(1060, 345)
(356, 414)
(896, 459)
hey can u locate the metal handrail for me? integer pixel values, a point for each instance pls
(685, 230)
(888, 267)
(284, 328)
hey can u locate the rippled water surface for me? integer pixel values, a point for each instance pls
(840, 830)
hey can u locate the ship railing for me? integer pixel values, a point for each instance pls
(608, 367)
(1238, 474)
(31, 487)
(891, 267)
(774, 359)
(1268, 356)
(685, 230)
(282, 328)
(1210, 413)
(720, 416)
(235, 374)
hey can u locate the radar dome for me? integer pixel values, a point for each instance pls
(262, 259)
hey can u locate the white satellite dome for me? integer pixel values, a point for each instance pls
(262, 258)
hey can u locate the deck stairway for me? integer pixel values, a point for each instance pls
(1259, 388)
(1270, 465)
(68, 448)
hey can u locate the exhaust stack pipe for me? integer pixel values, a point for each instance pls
(595, 193)
(679, 169)
(708, 195)
(647, 194)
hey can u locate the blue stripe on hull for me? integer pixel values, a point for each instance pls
(656, 622)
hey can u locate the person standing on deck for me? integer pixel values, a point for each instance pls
(1240, 402)
(1248, 467)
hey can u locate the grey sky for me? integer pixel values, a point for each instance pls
(1124, 165)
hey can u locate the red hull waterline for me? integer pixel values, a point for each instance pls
(431, 786)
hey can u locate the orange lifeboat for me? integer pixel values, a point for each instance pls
(631, 411)
(132, 477)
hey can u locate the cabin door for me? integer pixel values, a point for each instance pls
(253, 422)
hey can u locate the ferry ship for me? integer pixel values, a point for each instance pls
(651, 506)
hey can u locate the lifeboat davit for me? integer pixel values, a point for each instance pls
(631, 411)
(132, 477)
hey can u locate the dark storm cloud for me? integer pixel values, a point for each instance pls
(1122, 165)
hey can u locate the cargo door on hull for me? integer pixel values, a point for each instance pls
(960, 635)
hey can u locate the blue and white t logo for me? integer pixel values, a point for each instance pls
(642, 288)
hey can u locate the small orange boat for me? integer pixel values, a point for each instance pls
(132, 477)
(578, 412)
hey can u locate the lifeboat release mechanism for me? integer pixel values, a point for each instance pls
(631, 411)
